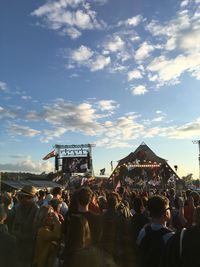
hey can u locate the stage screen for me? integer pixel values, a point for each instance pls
(74, 164)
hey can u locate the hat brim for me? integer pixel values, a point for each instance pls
(21, 193)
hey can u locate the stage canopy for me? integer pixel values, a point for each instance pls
(143, 165)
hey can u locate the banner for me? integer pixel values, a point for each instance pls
(74, 164)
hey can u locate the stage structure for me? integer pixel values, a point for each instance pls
(143, 168)
(73, 159)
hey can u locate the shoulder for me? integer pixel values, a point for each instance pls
(142, 233)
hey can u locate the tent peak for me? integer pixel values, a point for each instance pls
(143, 143)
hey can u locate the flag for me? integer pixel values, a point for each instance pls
(111, 165)
(50, 155)
(102, 171)
(56, 179)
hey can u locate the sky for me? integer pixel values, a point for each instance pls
(114, 73)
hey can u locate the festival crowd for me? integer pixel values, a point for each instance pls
(99, 228)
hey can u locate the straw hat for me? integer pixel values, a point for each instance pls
(28, 190)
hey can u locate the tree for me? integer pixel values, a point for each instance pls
(187, 179)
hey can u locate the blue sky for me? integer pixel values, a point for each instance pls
(113, 73)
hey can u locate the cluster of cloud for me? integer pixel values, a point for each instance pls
(170, 49)
(7, 113)
(98, 120)
(26, 164)
(69, 17)
(3, 86)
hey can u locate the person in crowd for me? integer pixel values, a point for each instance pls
(8, 206)
(41, 197)
(83, 230)
(116, 232)
(47, 239)
(183, 248)
(8, 247)
(94, 206)
(56, 205)
(47, 199)
(57, 194)
(139, 219)
(153, 238)
(189, 209)
(22, 226)
(178, 219)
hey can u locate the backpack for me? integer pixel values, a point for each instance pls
(152, 247)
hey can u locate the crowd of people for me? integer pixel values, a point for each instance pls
(99, 228)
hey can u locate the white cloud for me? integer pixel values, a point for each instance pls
(68, 16)
(190, 42)
(7, 113)
(84, 56)
(73, 32)
(26, 97)
(28, 165)
(143, 51)
(108, 143)
(188, 130)
(139, 90)
(52, 133)
(169, 70)
(134, 74)
(73, 117)
(134, 21)
(184, 3)
(83, 53)
(21, 130)
(151, 132)
(115, 45)
(107, 105)
(3, 86)
(100, 63)
(158, 119)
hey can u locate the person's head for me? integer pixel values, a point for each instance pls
(57, 192)
(55, 204)
(27, 195)
(102, 202)
(84, 196)
(41, 194)
(138, 205)
(112, 200)
(3, 214)
(159, 208)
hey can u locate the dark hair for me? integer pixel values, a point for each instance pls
(157, 205)
(112, 200)
(41, 193)
(57, 191)
(137, 205)
(84, 196)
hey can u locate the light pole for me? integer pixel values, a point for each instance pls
(198, 142)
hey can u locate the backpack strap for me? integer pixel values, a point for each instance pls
(181, 242)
